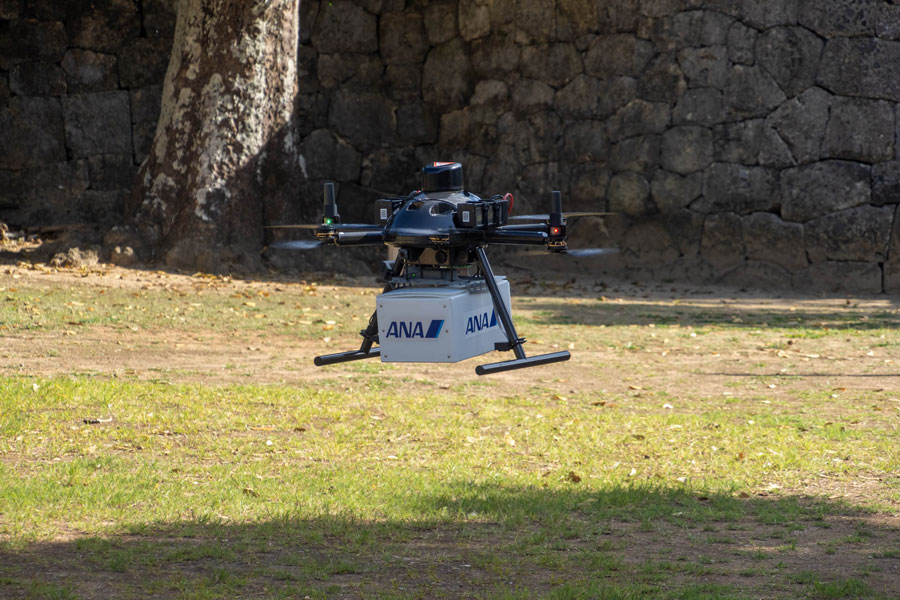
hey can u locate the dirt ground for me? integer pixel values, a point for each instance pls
(712, 365)
(626, 359)
(263, 357)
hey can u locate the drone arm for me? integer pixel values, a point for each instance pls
(350, 235)
(539, 227)
(516, 236)
(359, 238)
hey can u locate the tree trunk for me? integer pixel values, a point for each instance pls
(225, 151)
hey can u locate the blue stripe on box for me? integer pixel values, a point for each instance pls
(434, 329)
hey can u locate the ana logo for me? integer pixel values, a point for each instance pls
(481, 321)
(415, 329)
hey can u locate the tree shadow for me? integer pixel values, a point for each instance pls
(470, 540)
(634, 311)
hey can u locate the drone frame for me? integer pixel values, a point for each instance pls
(478, 224)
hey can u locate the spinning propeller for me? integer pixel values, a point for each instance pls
(295, 244)
(555, 221)
(586, 252)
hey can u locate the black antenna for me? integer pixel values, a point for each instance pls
(556, 216)
(330, 214)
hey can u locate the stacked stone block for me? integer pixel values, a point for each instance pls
(80, 83)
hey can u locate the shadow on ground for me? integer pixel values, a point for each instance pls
(489, 542)
(746, 313)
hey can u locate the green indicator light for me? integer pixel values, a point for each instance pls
(328, 221)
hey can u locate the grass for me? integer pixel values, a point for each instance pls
(619, 479)
(269, 468)
(195, 305)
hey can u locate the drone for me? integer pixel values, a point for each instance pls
(441, 301)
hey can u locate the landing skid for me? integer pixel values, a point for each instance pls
(514, 341)
(342, 357)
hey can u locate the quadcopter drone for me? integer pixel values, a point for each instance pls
(433, 307)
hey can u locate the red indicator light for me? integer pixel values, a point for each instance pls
(554, 231)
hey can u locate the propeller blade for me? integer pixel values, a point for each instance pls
(573, 252)
(568, 215)
(583, 252)
(575, 215)
(295, 244)
(529, 217)
(338, 226)
(292, 226)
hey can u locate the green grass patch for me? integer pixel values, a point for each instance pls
(614, 479)
(205, 478)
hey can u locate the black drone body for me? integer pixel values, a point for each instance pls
(433, 307)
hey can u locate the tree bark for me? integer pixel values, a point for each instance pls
(225, 150)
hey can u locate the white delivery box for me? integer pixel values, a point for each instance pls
(446, 323)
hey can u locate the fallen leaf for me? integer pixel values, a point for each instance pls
(573, 477)
(251, 492)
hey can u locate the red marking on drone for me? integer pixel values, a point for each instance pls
(509, 198)
(441, 164)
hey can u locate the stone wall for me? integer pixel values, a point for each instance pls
(80, 83)
(743, 141)
(746, 141)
